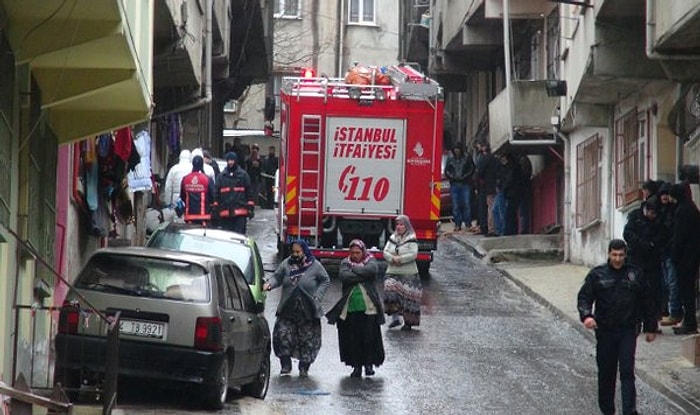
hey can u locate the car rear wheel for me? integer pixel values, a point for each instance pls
(214, 395)
(258, 388)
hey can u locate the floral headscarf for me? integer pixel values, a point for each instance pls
(366, 256)
(298, 267)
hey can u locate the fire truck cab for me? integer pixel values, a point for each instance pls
(354, 156)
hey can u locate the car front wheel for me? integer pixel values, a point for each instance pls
(258, 388)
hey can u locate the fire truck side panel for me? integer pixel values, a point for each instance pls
(364, 166)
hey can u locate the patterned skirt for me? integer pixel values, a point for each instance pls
(360, 340)
(403, 294)
(300, 339)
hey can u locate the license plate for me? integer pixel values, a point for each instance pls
(150, 329)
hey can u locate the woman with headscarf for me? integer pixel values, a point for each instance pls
(359, 313)
(297, 331)
(403, 290)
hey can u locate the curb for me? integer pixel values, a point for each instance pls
(677, 398)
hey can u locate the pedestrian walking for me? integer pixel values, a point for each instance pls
(297, 330)
(486, 166)
(614, 299)
(403, 290)
(459, 169)
(672, 297)
(234, 196)
(358, 314)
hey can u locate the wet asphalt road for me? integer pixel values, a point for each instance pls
(483, 347)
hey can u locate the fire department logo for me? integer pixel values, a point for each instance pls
(418, 149)
(631, 276)
(195, 180)
(419, 158)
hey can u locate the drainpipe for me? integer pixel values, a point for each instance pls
(206, 99)
(341, 37)
(207, 66)
(651, 26)
(566, 243)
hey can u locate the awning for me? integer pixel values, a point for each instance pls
(90, 58)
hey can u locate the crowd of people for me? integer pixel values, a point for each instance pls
(200, 192)
(360, 311)
(493, 189)
(648, 281)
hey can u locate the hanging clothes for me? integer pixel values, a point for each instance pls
(122, 143)
(140, 178)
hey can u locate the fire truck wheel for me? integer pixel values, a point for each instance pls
(423, 269)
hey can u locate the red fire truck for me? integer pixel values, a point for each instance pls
(355, 156)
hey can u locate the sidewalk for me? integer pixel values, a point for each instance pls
(555, 284)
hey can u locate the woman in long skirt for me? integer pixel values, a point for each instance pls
(403, 290)
(297, 331)
(359, 313)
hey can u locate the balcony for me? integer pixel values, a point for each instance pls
(91, 60)
(530, 120)
(617, 65)
(673, 37)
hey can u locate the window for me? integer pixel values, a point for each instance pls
(361, 12)
(288, 8)
(588, 176)
(630, 152)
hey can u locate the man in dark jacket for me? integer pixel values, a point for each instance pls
(268, 169)
(234, 196)
(645, 238)
(672, 297)
(486, 165)
(620, 296)
(459, 169)
(197, 193)
(685, 254)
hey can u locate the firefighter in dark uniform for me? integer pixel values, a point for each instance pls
(614, 299)
(234, 196)
(197, 193)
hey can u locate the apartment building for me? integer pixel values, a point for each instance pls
(327, 36)
(601, 95)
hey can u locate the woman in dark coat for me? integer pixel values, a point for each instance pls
(297, 331)
(359, 313)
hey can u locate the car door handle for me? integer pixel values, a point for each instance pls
(250, 320)
(232, 318)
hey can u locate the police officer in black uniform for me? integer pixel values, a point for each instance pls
(614, 299)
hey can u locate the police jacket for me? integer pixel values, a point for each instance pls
(234, 193)
(197, 191)
(617, 298)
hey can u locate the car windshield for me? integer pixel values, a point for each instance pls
(145, 277)
(237, 252)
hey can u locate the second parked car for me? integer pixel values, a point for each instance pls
(240, 249)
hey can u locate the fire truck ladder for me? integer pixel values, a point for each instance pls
(310, 177)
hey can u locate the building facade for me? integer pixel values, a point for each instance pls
(327, 36)
(599, 94)
(78, 78)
